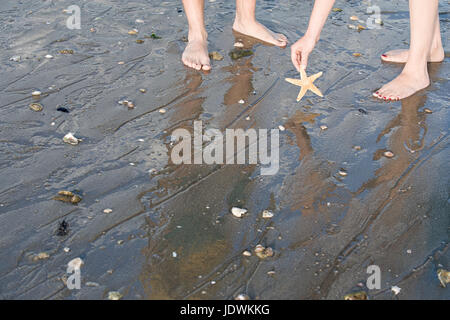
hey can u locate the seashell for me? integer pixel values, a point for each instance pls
(66, 51)
(323, 127)
(443, 276)
(262, 252)
(241, 101)
(41, 256)
(119, 242)
(271, 273)
(92, 30)
(216, 56)
(246, 253)
(66, 249)
(15, 58)
(281, 128)
(66, 193)
(247, 118)
(360, 27)
(266, 214)
(139, 21)
(48, 56)
(107, 210)
(121, 62)
(342, 172)
(36, 93)
(356, 296)
(133, 32)
(143, 90)
(388, 154)
(426, 110)
(354, 18)
(91, 284)
(75, 264)
(67, 196)
(162, 110)
(238, 44)
(71, 139)
(379, 21)
(36, 107)
(114, 295)
(140, 41)
(356, 54)
(396, 290)
(238, 212)
(242, 296)
(357, 148)
(351, 26)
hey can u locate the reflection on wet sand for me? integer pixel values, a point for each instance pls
(194, 235)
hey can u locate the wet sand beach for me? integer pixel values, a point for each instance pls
(169, 233)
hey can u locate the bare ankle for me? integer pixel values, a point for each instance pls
(201, 35)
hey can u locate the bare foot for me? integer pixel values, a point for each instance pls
(196, 55)
(401, 55)
(405, 85)
(257, 30)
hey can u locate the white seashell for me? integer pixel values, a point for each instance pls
(267, 214)
(174, 254)
(246, 253)
(66, 249)
(36, 93)
(241, 101)
(15, 58)
(242, 296)
(323, 127)
(139, 21)
(282, 128)
(396, 290)
(162, 110)
(238, 212)
(70, 139)
(107, 210)
(75, 264)
(48, 56)
(238, 44)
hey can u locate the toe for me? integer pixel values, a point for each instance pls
(206, 67)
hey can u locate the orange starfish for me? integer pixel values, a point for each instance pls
(306, 83)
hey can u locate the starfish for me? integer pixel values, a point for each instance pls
(306, 83)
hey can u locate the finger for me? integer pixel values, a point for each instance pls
(304, 60)
(294, 59)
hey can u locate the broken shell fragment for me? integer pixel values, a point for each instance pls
(396, 290)
(36, 93)
(360, 27)
(133, 32)
(388, 154)
(242, 296)
(114, 295)
(48, 56)
(241, 101)
(323, 127)
(238, 212)
(266, 214)
(443, 276)
(342, 172)
(143, 90)
(281, 128)
(67, 196)
(75, 264)
(426, 110)
(140, 41)
(356, 296)
(216, 56)
(238, 44)
(356, 54)
(15, 58)
(354, 18)
(36, 107)
(107, 210)
(41, 256)
(71, 139)
(162, 110)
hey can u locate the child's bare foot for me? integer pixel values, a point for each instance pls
(405, 85)
(196, 55)
(401, 55)
(257, 30)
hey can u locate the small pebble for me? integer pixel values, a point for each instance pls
(36, 93)
(246, 253)
(66, 249)
(48, 56)
(388, 154)
(238, 212)
(266, 214)
(143, 90)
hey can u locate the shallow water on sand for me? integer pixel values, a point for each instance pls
(326, 230)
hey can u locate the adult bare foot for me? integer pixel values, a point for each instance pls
(257, 30)
(401, 55)
(196, 55)
(405, 85)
